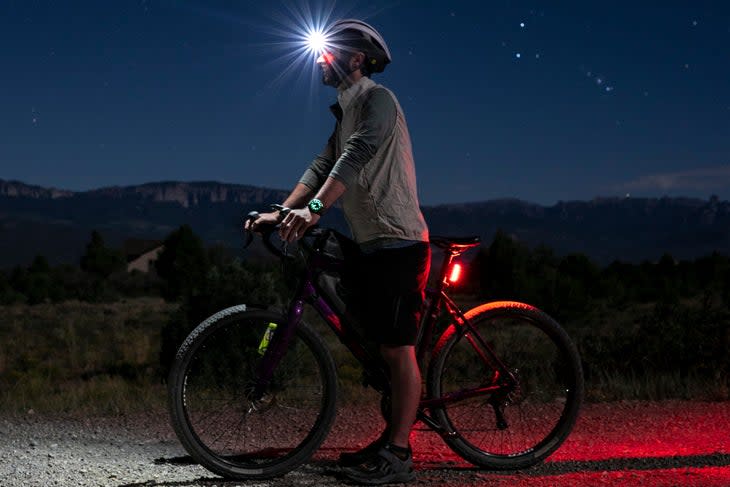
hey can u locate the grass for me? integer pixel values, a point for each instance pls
(103, 395)
(81, 357)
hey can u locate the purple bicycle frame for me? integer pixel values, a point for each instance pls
(309, 293)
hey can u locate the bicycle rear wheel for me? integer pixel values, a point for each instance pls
(516, 425)
(215, 414)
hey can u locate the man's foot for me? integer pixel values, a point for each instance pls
(390, 465)
(352, 459)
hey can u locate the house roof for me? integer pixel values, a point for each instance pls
(136, 247)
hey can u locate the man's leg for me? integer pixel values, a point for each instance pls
(405, 378)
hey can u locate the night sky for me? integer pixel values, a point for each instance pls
(539, 101)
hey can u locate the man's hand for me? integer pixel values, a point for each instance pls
(263, 219)
(296, 223)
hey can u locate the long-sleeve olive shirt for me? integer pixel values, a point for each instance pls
(370, 153)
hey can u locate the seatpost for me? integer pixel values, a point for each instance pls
(426, 331)
(445, 268)
(434, 310)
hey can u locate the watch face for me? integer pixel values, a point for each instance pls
(315, 206)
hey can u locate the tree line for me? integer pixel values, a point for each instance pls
(666, 319)
(100, 276)
(662, 326)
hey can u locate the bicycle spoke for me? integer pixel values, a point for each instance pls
(245, 432)
(501, 427)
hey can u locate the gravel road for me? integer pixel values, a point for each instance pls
(629, 443)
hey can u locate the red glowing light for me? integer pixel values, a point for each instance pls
(455, 274)
(326, 57)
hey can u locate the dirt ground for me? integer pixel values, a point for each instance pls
(671, 443)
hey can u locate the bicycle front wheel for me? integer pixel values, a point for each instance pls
(521, 382)
(226, 426)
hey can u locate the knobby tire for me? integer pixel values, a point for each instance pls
(215, 414)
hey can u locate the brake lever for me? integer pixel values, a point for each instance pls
(253, 216)
(250, 218)
(283, 210)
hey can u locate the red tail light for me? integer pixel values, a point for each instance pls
(455, 273)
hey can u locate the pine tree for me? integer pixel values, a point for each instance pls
(99, 259)
(182, 264)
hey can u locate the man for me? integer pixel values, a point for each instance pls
(368, 163)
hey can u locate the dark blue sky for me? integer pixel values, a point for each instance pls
(583, 99)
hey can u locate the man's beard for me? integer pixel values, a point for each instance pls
(334, 73)
(330, 78)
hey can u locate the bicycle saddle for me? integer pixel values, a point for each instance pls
(454, 244)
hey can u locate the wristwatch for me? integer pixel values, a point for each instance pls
(316, 206)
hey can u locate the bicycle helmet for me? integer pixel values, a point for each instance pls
(355, 35)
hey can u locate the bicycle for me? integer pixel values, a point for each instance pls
(252, 392)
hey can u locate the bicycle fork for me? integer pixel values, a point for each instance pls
(276, 348)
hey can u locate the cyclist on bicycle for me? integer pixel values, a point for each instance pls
(368, 162)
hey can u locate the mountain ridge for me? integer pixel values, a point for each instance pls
(57, 222)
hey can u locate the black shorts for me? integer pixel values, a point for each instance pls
(389, 286)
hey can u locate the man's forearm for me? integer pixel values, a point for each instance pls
(330, 191)
(328, 194)
(299, 197)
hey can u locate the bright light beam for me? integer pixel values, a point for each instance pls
(297, 39)
(317, 42)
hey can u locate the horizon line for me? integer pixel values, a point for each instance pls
(711, 197)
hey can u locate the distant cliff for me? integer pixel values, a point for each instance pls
(192, 194)
(18, 189)
(57, 223)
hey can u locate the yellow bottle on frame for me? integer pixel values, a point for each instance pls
(268, 334)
